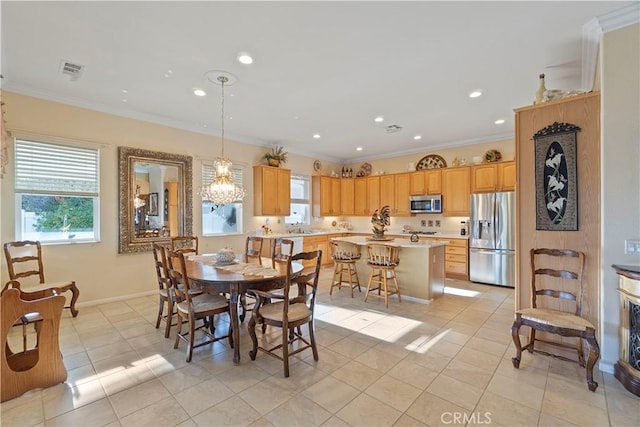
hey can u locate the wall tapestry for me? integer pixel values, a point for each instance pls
(556, 177)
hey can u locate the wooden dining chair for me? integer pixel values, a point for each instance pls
(24, 259)
(383, 260)
(556, 308)
(185, 244)
(193, 308)
(252, 254)
(281, 250)
(289, 312)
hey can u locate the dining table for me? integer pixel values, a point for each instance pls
(235, 278)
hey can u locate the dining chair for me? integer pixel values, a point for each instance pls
(345, 255)
(289, 313)
(383, 260)
(185, 244)
(24, 259)
(252, 254)
(281, 250)
(556, 308)
(192, 308)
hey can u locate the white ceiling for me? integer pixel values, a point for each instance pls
(320, 67)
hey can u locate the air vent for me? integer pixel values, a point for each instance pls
(393, 128)
(74, 71)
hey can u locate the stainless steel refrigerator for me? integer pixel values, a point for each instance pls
(492, 239)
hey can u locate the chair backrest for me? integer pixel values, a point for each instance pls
(281, 250)
(177, 270)
(344, 251)
(28, 255)
(556, 275)
(383, 255)
(253, 249)
(185, 244)
(162, 269)
(307, 280)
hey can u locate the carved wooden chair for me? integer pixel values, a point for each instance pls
(192, 308)
(289, 313)
(38, 366)
(24, 259)
(383, 260)
(185, 244)
(556, 308)
(252, 254)
(281, 250)
(345, 255)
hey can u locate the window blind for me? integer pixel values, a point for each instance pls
(56, 169)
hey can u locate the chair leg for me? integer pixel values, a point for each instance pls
(169, 318)
(312, 338)
(386, 291)
(192, 332)
(254, 339)
(366, 295)
(515, 335)
(178, 330)
(353, 271)
(594, 355)
(532, 341)
(160, 310)
(285, 352)
(395, 282)
(243, 305)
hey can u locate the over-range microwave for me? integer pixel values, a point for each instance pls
(425, 204)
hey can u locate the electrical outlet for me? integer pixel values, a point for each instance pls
(632, 247)
(430, 223)
(423, 222)
(437, 223)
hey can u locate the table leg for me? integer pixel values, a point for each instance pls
(235, 323)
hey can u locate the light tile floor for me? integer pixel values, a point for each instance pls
(444, 363)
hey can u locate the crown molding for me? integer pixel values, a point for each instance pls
(592, 33)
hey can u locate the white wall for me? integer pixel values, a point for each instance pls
(620, 68)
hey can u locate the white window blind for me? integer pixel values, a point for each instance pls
(56, 169)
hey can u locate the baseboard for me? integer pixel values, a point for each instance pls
(115, 299)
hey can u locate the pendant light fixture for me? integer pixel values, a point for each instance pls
(222, 190)
(137, 201)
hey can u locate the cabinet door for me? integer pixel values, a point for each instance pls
(484, 178)
(346, 196)
(403, 189)
(284, 192)
(269, 191)
(387, 192)
(433, 181)
(360, 196)
(507, 176)
(373, 194)
(335, 196)
(455, 191)
(417, 185)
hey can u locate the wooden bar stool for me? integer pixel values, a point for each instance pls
(345, 255)
(383, 260)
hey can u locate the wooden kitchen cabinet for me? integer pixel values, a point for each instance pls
(455, 191)
(456, 259)
(325, 196)
(373, 194)
(402, 194)
(426, 182)
(490, 177)
(388, 192)
(347, 197)
(271, 191)
(360, 207)
(314, 243)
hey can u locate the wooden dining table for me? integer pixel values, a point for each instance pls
(203, 271)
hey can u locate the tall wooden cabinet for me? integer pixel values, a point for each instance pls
(271, 191)
(584, 112)
(455, 191)
(325, 193)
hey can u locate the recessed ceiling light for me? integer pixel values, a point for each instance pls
(358, 148)
(245, 58)
(417, 137)
(199, 92)
(168, 74)
(316, 136)
(499, 121)
(124, 91)
(124, 100)
(475, 94)
(379, 119)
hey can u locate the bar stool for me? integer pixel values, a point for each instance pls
(345, 255)
(383, 260)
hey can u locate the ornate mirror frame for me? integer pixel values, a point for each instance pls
(127, 159)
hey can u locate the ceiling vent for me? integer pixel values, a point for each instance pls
(393, 128)
(74, 71)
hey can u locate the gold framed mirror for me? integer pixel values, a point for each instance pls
(155, 197)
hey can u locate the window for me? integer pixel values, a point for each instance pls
(300, 201)
(57, 192)
(216, 219)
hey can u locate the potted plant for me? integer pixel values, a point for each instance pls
(276, 156)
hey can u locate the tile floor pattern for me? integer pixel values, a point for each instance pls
(445, 363)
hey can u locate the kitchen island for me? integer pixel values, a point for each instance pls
(420, 272)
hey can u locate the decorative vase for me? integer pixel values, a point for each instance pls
(274, 162)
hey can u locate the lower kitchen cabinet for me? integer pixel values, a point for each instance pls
(314, 243)
(456, 259)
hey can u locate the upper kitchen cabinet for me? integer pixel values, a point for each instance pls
(455, 191)
(361, 208)
(402, 190)
(387, 192)
(325, 193)
(426, 182)
(347, 196)
(490, 177)
(271, 191)
(373, 194)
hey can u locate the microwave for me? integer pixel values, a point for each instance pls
(425, 204)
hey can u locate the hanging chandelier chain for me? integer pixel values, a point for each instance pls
(223, 80)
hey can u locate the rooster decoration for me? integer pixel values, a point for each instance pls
(381, 220)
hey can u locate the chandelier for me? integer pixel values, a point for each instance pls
(137, 201)
(222, 190)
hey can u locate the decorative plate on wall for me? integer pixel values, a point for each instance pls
(317, 166)
(431, 161)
